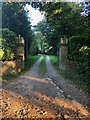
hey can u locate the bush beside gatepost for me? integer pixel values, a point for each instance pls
(12, 58)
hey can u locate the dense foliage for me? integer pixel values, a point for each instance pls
(62, 19)
(8, 43)
(40, 39)
(75, 43)
(70, 20)
(15, 18)
(79, 52)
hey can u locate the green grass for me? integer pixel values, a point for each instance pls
(42, 66)
(30, 61)
(10, 76)
(54, 60)
(71, 75)
(28, 64)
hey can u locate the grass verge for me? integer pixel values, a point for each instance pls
(30, 61)
(42, 66)
(28, 64)
(79, 80)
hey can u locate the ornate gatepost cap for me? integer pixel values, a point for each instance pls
(20, 40)
(64, 41)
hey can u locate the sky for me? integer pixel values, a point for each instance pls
(35, 15)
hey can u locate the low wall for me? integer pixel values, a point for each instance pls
(8, 67)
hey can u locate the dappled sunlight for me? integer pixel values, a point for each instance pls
(61, 103)
(72, 105)
(53, 84)
(39, 106)
(33, 97)
(58, 11)
(17, 106)
(35, 79)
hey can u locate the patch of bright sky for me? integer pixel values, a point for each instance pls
(34, 15)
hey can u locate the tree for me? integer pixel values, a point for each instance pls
(43, 37)
(62, 19)
(66, 19)
(38, 42)
(15, 18)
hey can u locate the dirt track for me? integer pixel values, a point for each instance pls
(69, 90)
(30, 96)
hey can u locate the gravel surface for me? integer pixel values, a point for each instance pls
(30, 96)
(69, 90)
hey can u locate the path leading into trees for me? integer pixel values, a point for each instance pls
(30, 96)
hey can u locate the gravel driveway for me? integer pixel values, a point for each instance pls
(69, 90)
(30, 96)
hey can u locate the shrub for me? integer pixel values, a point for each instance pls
(79, 51)
(85, 52)
(8, 43)
(75, 43)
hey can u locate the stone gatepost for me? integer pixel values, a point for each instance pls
(20, 53)
(63, 51)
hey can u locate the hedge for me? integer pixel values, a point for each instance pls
(79, 52)
(8, 43)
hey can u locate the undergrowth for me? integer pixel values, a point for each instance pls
(79, 79)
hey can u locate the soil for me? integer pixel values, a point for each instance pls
(32, 96)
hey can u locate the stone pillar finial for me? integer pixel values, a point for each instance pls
(19, 36)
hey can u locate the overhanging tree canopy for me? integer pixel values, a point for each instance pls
(15, 18)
